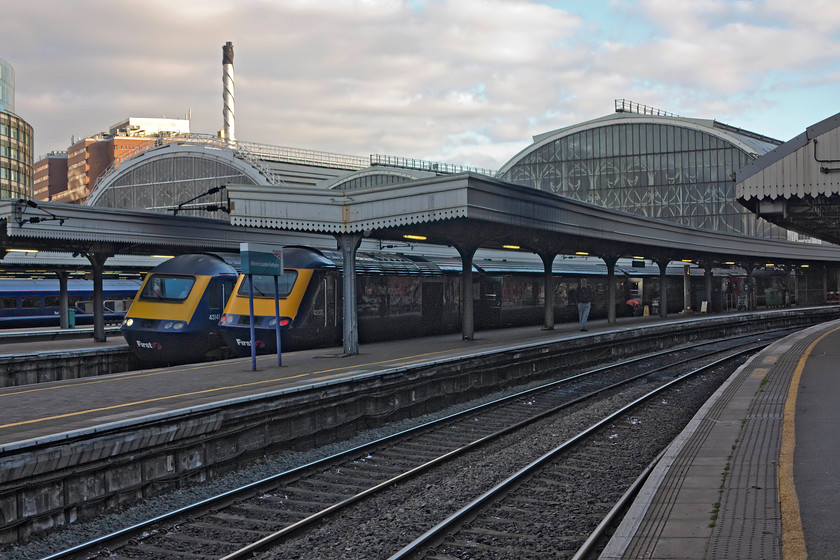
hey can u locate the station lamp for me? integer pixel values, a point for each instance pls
(415, 237)
(510, 247)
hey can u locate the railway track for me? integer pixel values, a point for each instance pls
(291, 511)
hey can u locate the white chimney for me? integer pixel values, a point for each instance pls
(227, 93)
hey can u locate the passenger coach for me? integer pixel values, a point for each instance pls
(36, 302)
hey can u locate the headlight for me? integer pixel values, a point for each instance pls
(272, 322)
(179, 325)
(228, 319)
(128, 322)
(168, 325)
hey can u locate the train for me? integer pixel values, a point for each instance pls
(35, 302)
(399, 295)
(175, 316)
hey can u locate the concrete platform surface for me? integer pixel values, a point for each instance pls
(755, 474)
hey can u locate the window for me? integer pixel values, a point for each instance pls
(219, 294)
(264, 285)
(163, 287)
(30, 302)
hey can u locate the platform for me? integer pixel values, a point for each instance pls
(754, 475)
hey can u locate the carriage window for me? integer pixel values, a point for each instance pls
(264, 285)
(30, 301)
(8, 303)
(51, 301)
(161, 287)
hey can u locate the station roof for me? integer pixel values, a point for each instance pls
(480, 211)
(466, 210)
(749, 142)
(51, 226)
(797, 185)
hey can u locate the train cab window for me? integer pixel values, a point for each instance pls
(162, 287)
(30, 301)
(8, 303)
(221, 292)
(264, 285)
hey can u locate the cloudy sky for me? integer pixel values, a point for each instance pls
(458, 81)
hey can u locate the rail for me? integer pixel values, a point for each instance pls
(491, 498)
(537, 409)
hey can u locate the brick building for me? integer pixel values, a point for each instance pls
(50, 176)
(89, 158)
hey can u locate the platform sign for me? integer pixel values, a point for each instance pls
(262, 260)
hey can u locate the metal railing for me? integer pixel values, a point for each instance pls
(242, 151)
(423, 165)
(627, 106)
(256, 154)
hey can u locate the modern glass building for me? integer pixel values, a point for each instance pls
(16, 141)
(649, 162)
(7, 87)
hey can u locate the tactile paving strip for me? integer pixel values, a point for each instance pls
(726, 460)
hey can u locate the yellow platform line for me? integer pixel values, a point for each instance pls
(793, 537)
(193, 393)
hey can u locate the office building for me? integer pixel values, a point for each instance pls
(16, 141)
(50, 176)
(90, 158)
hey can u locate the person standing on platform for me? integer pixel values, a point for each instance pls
(584, 299)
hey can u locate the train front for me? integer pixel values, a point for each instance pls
(296, 290)
(174, 318)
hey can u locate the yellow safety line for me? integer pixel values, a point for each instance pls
(120, 377)
(130, 376)
(205, 391)
(793, 538)
(146, 401)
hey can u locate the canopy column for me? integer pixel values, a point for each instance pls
(663, 285)
(467, 308)
(97, 262)
(548, 286)
(610, 261)
(349, 244)
(790, 271)
(748, 285)
(63, 299)
(707, 277)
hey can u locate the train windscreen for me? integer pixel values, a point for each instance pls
(264, 285)
(162, 287)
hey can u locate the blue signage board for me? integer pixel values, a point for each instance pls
(263, 260)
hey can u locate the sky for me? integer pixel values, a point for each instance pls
(466, 82)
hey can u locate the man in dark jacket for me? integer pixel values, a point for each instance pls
(584, 298)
